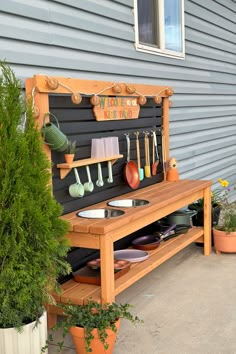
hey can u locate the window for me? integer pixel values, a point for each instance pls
(159, 27)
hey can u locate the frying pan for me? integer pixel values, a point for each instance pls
(150, 242)
(130, 171)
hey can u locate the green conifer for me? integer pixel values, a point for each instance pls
(32, 243)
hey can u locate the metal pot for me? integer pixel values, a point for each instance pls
(182, 216)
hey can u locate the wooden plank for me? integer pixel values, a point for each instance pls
(107, 269)
(176, 194)
(161, 195)
(156, 258)
(83, 240)
(78, 293)
(93, 87)
(207, 221)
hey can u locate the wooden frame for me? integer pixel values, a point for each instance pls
(164, 198)
(39, 87)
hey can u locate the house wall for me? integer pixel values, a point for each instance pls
(95, 40)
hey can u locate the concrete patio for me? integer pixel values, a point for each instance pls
(187, 304)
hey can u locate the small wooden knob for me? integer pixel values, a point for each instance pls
(157, 99)
(94, 100)
(142, 100)
(76, 98)
(52, 83)
(130, 89)
(169, 91)
(116, 88)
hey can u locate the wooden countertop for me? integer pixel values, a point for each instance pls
(163, 199)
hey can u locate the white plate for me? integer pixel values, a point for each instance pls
(131, 255)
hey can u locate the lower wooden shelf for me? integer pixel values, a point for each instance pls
(79, 293)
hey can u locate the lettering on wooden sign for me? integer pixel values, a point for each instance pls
(115, 108)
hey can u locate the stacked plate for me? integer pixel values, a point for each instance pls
(131, 255)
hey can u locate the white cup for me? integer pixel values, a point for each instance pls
(111, 146)
(97, 148)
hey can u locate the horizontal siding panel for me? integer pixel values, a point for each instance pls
(35, 9)
(194, 35)
(182, 127)
(192, 113)
(26, 53)
(125, 2)
(203, 100)
(104, 8)
(209, 28)
(83, 20)
(209, 170)
(208, 158)
(95, 40)
(203, 51)
(68, 37)
(218, 9)
(229, 4)
(183, 140)
(191, 151)
(209, 16)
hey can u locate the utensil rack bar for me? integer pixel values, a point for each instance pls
(65, 168)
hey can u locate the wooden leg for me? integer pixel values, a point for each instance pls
(52, 319)
(207, 221)
(107, 269)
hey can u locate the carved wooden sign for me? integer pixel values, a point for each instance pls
(116, 108)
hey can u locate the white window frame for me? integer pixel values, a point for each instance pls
(153, 49)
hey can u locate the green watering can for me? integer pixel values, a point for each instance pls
(53, 136)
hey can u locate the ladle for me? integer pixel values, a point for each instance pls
(88, 186)
(76, 190)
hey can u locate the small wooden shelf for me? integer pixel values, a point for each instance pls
(65, 168)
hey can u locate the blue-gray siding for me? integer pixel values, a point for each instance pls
(94, 39)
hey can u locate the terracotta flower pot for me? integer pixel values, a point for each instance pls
(69, 158)
(96, 345)
(224, 242)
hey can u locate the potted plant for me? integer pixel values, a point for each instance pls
(32, 243)
(225, 233)
(216, 198)
(93, 326)
(70, 151)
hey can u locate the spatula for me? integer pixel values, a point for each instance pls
(147, 167)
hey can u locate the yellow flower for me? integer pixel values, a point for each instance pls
(224, 183)
(219, 180)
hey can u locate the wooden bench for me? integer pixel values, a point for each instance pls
(164, 198)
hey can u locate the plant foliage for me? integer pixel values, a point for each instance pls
(93, 315)
(71, 147)
(32, 244)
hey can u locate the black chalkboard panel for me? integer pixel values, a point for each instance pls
(78, 123)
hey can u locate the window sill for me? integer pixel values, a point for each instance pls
(159, 52)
